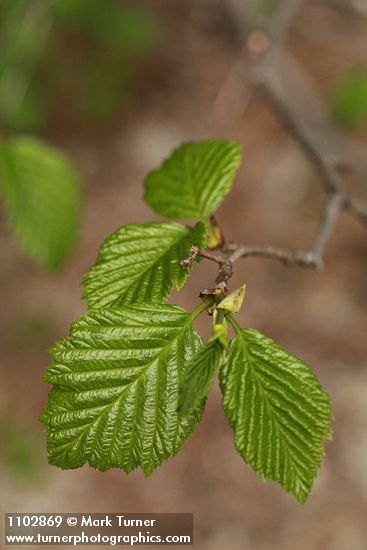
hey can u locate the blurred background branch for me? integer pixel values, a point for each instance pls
(277, 74)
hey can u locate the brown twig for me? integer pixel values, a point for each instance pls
(286, 256)
(312, 258)
(194, 253)
(224, 274)
(217, 259)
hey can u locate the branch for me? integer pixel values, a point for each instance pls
(295, 100)
(286, 256)
(313, 258)
(329, 176)
(194, 253)
(330, 216)
(224, 274)
(275, 72)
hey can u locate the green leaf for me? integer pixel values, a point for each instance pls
(349, 99)
(140, 263)
(199, 376)
(117, 379)
(220, 332)
(25, 28)
(214, 234)
(233, 302)
(194, 180)
(42, 196)
(278, 411)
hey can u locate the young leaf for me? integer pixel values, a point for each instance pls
(199, 376)
(42, 197)
(278, 411)
(233, 302)
(194, 180)
(117, 379)
(141, 263)
(214, 234)
(220, 333)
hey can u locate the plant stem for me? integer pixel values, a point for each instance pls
(234, 324)
(207, 256)
(201, 307)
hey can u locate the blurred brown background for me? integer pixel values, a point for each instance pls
(117, 112)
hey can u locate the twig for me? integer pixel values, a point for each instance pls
(353, 208)
(283, 19)
(224, 274)
(217, 259)
(194, 253)
(313, 258)
(329, 176)
(328, 222)
(285, 256)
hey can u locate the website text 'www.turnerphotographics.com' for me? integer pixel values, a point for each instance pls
(98, 529)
